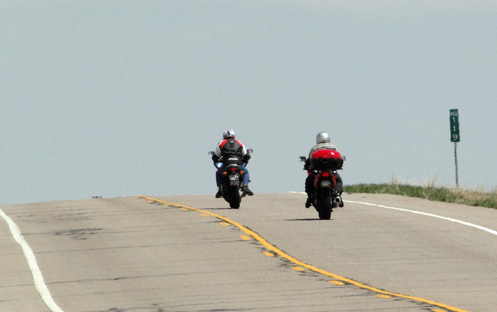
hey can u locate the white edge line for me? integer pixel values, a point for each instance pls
(429, 215)
(421, 213)
(33, 265)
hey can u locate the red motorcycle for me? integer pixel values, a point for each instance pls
(324, 165)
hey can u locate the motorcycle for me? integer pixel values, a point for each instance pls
(324, 165)
(232, 187)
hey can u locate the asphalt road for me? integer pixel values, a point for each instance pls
(193, 253)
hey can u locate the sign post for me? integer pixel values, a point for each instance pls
(454, 136)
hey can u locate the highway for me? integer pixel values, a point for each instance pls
(194, 253)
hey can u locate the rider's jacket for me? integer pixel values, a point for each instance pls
(231, 150)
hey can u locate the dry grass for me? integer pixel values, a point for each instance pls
(470, 197)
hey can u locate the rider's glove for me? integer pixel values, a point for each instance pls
(246, 158)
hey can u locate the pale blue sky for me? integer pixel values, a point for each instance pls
(123, 98)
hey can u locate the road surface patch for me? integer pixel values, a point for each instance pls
(303, 266)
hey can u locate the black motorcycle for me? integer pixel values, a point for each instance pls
(324, 165)
(232, 187)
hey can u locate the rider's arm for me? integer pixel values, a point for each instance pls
(245, 154)
(307, 164)
(244, 149)
(217, 154)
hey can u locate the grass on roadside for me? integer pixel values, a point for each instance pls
(430, 192)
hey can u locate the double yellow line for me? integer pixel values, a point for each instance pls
(274, 250)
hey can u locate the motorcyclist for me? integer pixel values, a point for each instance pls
(322, 142)
(230, 146)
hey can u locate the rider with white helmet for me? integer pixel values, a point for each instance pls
(322, 142)
(230, 146)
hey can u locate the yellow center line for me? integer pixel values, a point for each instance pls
(298, 269)
(384, 296)
(337, 283)
(269, 254)
(282, 254)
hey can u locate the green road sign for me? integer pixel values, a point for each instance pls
(454, 126)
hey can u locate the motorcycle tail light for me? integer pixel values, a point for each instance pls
(325, 174)
(233, 169)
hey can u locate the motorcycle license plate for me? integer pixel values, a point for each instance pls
(326, 183)
(234, 180)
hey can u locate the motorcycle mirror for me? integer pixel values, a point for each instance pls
(210, 153)
(343, 157)
(302, 158)
(250, 151)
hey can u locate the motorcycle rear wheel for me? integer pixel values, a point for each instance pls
(235, 198)
(325, 208)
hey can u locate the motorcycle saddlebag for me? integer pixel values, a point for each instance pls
(325, 159)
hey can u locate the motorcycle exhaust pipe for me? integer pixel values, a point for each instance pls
(337, 199)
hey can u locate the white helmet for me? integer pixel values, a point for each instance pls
(228, 134)
(322, 137)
